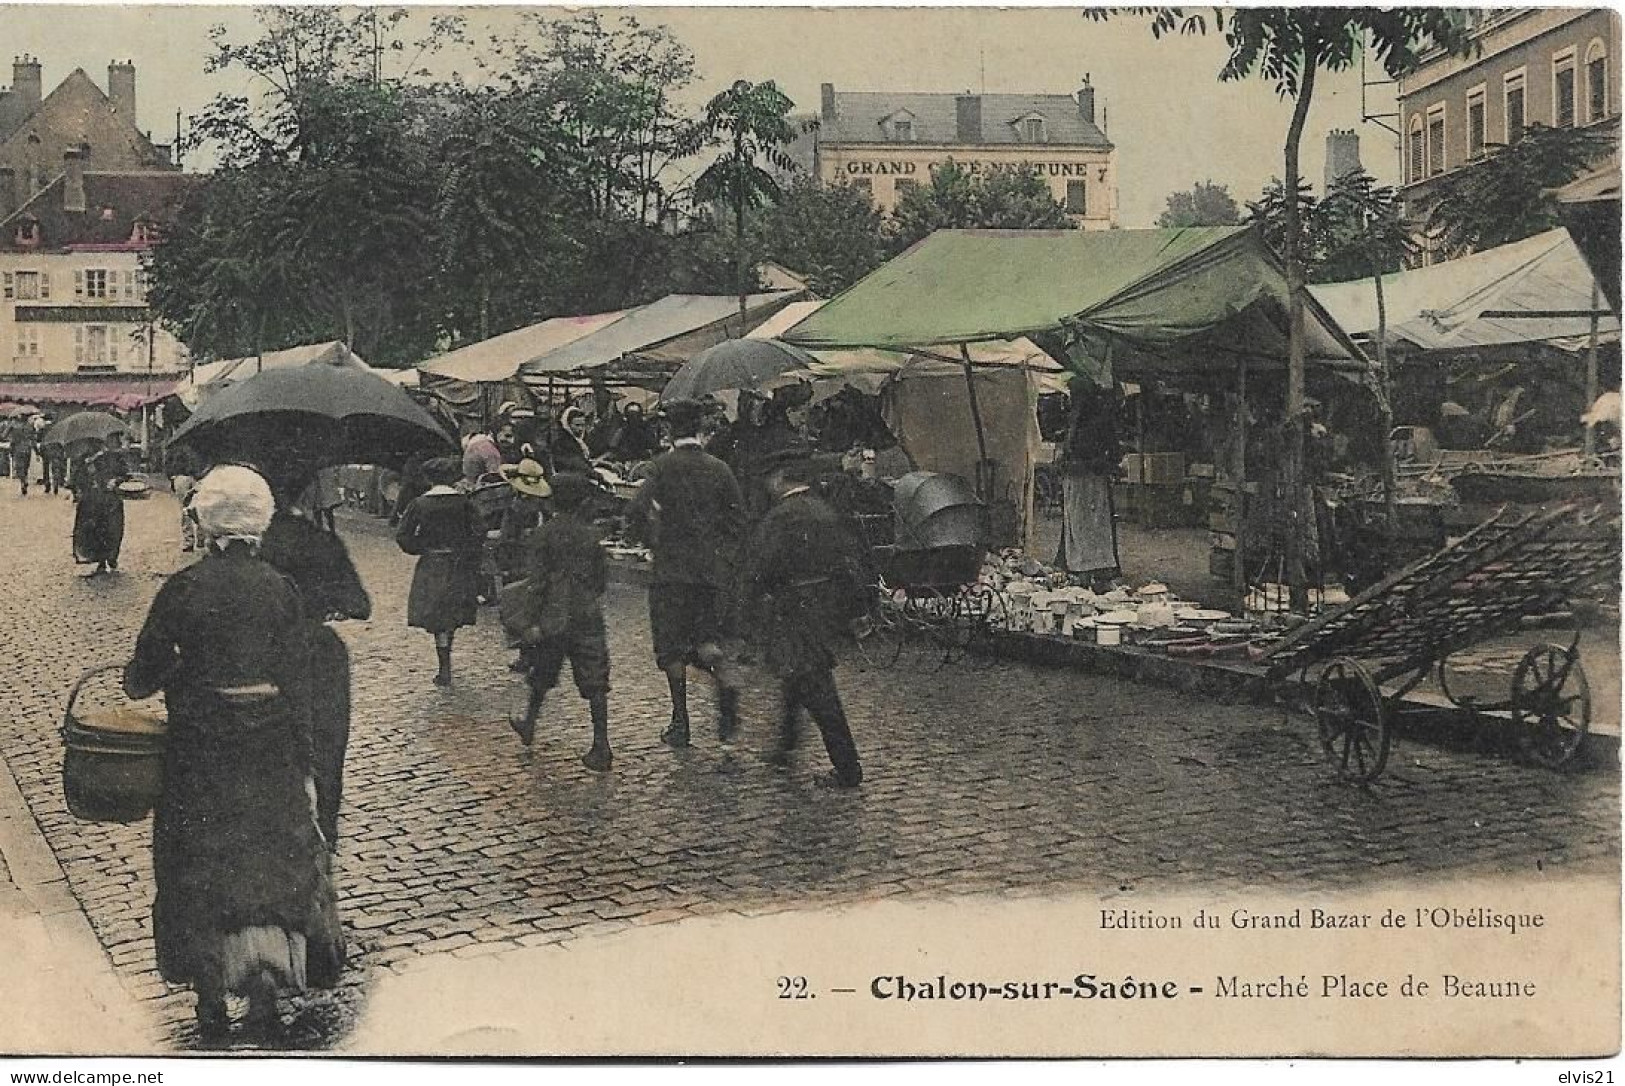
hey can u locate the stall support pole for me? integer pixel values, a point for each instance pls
(1238, 572)
(1589, 446)
(984, 486)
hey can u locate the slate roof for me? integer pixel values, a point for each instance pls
(859, 116)
(67, 107)
(114, 201)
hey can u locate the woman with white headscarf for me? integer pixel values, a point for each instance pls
(245, 904)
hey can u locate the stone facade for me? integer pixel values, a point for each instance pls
(884, 143)
(36, 133)
(1556, 67)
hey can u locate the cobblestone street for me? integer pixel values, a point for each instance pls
(979, 778)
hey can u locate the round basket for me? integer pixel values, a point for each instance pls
(134, 489)
(112, 762)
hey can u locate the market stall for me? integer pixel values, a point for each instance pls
(1495, 357)
(1203, 304)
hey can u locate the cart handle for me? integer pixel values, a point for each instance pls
(79, 684)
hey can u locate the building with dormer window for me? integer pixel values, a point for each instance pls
(886, 143)
(83, 196)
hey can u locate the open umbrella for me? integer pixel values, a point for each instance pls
(84, 426)
(735, 364)
(318, 415)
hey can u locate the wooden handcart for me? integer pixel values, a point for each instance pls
(1371, 652)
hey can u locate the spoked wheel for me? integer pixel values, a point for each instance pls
(880, 635)
(1353, 723)
(1450, 685)
(1551, 704)
(986, 609)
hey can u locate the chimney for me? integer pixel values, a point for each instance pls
(25, 84)
(969, 117)
(1342, 155)
(1086, 100)
(121, 87)
(73, 179)
(826, 101)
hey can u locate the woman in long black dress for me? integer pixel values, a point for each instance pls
(98, 518)
(245, 904)
(331, 590)
(443, 529)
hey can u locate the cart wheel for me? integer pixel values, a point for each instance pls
(880, 635)
(1353, 722)
(1551, 704)
(1454, 697)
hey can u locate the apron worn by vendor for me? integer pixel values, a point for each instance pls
(241, 870)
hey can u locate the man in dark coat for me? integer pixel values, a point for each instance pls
(689, 511)
(802, 583)
(24, 438)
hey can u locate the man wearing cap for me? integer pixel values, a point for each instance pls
(690, 513)
(568, 574)
(803, 575)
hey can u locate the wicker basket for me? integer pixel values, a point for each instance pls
(112, 763)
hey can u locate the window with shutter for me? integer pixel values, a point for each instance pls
(8, 285)
(112, 346)
(1596, 81)
(78, 284)
(1513, 96)
(78, 345)
(45, 285)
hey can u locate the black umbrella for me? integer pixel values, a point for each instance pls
(293, 421)
(85, 426)
(735, 364)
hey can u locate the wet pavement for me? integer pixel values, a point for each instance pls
(981, 777)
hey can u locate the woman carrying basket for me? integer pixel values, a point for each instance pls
(245, 904)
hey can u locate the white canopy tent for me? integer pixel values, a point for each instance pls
(1538, 290)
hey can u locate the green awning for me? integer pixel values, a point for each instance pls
(1193, 299)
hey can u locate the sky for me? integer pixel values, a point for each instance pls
(1171, 120)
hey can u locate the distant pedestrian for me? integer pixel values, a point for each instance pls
(331, 590)
(245, 903)
(564, 620)
(24, 439)
(444, 530)
(56, 467)
(323, 496)
(802, 583)
(689, 512)
(98, 518)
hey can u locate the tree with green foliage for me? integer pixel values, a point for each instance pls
(1509, 194)
(751, 122)
(1004, 198)
(833, 235)
(1363, 233)
(1203, 204)
(1290, 46)
(611, 89)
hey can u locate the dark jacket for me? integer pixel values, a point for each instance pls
(803, 582)
(564, 557)
(319, 566)
(234, 843)
(690, 513)
(444, 529)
